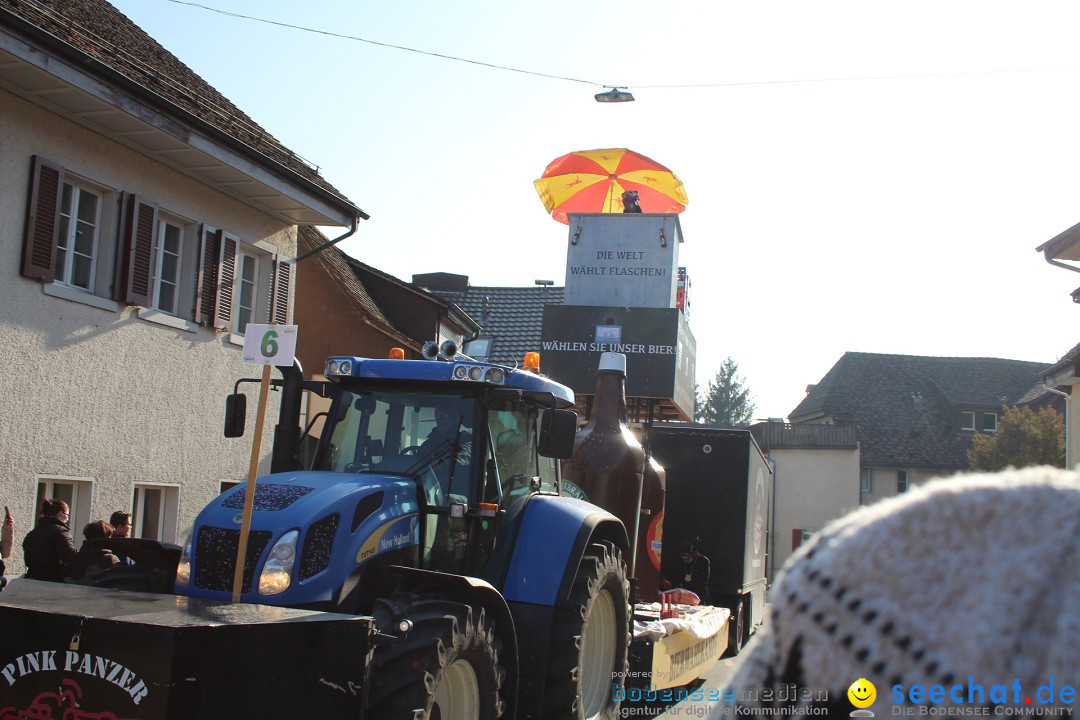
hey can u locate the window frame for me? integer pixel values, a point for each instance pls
(79, 187)
(964, 415)
(160, 253)
(866, 481)
(903, 482)
(986, 430)
(168, 512)
(245, 255)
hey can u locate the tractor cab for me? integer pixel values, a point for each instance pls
(478, 440)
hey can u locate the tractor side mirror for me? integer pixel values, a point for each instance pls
(235, 415)
(557, 431)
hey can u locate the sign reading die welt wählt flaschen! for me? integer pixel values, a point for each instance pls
(626, 260)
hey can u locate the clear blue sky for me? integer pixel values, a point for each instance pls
(862, 176)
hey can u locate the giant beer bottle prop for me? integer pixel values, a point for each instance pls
(608, 460)
(651, 531)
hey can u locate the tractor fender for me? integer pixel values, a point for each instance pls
(554, 534)
(476, 592)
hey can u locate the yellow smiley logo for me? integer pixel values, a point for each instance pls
(862, 693)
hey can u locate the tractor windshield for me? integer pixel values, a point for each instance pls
(414, 434)
(513, 428)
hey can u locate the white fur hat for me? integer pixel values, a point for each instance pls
(971, 580)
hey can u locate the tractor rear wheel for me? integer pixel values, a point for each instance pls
(444, 667)
(591, 634)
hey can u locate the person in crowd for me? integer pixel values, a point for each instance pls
(91, 559)
(694, 575)
(121, 522)
(48, 546)
(965, 584)
(7, 535)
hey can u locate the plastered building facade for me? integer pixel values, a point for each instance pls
(128, 280)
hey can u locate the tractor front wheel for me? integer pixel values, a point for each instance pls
(445, 666)
(591, 634)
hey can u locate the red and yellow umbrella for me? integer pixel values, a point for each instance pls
(593, 181)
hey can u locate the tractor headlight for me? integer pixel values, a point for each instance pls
(183, 568)
(277, 572)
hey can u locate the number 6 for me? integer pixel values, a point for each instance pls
(269, 344)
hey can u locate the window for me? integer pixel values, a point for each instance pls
(967, 421)
(989, 423)
(901, 481)
(239, 283)
(867, 481)
(156, 511)
(77, 492)
(247, 283)
(77, 236)
(168, 267)
(64, 243)
(512, 427)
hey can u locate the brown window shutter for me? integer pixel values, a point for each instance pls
(120, 263)
(42, 219)
(226, 278)
(206, 285)
(279, 300)
(140, 223)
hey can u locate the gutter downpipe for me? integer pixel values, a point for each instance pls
(319, 248)
(1068, 461)
(1058, 263)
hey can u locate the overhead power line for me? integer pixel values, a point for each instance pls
(522, 71)
(389, 45)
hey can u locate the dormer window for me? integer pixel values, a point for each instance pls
(967, 421)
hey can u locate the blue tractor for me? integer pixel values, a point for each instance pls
(430, 501)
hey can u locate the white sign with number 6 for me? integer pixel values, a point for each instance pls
(269, 344)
